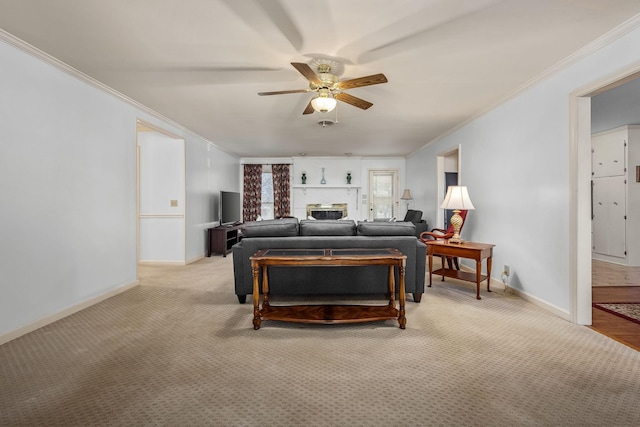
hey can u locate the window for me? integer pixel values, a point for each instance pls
(266, 209)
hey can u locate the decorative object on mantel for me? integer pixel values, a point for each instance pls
(349, 177)
(304, 177)
(457, 198)
(323, 181)
(406, 195)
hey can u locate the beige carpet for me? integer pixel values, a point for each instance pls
(180, 351)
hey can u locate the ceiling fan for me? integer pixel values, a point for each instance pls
(329, 88)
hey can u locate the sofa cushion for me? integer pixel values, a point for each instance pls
(327, 227)
(375, 228)
(284, 227)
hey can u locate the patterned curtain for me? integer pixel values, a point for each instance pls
(281, 191)
(252, 194)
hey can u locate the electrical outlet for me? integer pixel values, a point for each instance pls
(507, 270)
(174, 203)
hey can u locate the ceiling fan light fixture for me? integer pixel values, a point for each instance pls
(324, 102)
(329, 88)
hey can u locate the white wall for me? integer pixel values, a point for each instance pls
(68, 191)
(67, 184)
(336, 189)
(515, 161)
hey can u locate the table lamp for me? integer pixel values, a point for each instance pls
(457, 198)
(406, 195)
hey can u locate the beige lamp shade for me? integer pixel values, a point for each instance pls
(457, 198)
(406, 195)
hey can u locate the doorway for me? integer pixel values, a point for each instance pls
(581, 266)
(383, 194)
(448, 173)
(160, 196)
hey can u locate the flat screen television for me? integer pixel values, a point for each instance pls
(230, 207)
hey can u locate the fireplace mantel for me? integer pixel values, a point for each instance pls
(304, 194)
(324, 186)
(306, 187)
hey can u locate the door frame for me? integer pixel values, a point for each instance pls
(142, 126)
(440, 179)
(580, 280)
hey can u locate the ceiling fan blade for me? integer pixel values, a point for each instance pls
(307, 72)
(309, 108)
(283, 92)
(362, 81)
(350, 99)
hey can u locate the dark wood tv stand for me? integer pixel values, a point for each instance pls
(222, 238)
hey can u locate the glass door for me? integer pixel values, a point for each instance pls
(382, 194)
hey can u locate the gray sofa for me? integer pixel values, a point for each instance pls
(288, 233)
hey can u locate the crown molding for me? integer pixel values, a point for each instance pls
(33, 51)
(45, 57)
(602, 41)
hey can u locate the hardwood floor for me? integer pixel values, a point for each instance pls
(613, 283)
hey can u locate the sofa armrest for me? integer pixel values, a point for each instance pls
(421, 227)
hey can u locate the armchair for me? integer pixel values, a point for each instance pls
(415, 217)
(441, 234)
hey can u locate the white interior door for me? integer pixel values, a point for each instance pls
(383, 190)
(609, 216)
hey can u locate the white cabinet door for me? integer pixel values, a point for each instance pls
(609, 221)
(608, 154)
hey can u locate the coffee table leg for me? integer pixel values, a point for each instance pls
(265, 288)
(402, 319)
(391, 280)
(430, 268)
(489, 274)
(478, 278)
(256, 297)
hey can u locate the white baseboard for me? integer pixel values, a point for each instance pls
(187, 262)
(497, 284)
(64, 313)
(192, 260)
(152, 262)
(563, 314)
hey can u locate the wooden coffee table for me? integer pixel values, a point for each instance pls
(472, 250)
(265, 258)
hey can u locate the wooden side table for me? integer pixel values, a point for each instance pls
(470, 250)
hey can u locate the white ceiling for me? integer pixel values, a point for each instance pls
(201, 63)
